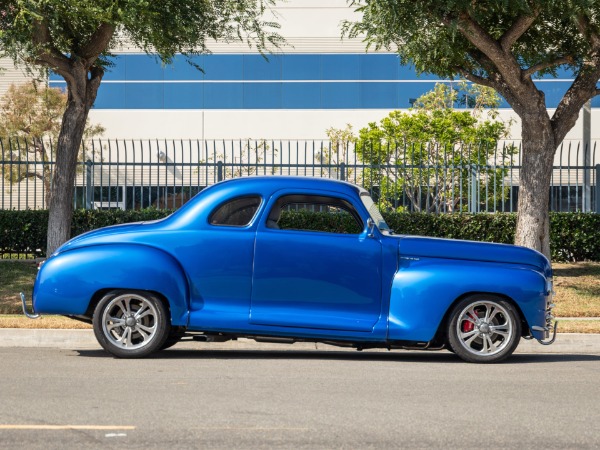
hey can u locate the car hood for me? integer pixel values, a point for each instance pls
(473, 251)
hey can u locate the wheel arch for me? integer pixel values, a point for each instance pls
(73, 282)
(424, 292)
(99, 295)
(441, 337)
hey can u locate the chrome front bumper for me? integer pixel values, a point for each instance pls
(551, 324)
(32, 314)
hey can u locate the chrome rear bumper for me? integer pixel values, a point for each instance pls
(31, 315)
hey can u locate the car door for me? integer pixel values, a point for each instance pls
(307, 274)
(219, 265)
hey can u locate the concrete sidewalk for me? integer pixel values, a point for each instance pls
(566, 343)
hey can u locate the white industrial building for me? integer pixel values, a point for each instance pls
(315, 82)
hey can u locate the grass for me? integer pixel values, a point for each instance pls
(15, 276)
(577, 287)
(578, 326)
(55, 322)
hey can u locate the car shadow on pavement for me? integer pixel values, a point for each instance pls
(399, 356)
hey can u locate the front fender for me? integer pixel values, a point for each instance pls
(67, 282)
(424, 289)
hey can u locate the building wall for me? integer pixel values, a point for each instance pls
(315, 82)
(10, 74)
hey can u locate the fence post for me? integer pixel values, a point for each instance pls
(219, 170)
(343, 171)
(474, 191)
(598, 188)
(89, 188)
(587, 165)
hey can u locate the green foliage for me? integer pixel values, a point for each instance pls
(318, 221)
(430, 34)
(85, 220)
(25, 231)
(436, 145)
(164, 28)
(574, 236)
(498, 227)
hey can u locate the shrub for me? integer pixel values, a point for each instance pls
(574, 236)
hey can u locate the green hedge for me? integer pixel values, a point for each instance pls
(574, 236)
(306, 220)
(25, 231)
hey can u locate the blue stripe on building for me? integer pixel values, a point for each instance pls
(293, 81)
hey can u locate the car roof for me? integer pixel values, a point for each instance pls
(276, 182)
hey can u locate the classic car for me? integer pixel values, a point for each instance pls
(288, 259)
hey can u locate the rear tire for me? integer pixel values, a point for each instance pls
(131, 324)
(175, 335)
(484, 329)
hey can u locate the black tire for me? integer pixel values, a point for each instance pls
(174, 337)
(131, 324)
(484, 329)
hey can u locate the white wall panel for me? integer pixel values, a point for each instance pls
(9, 74)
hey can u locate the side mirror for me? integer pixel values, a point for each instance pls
(370, 227)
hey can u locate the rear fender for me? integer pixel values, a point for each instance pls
(67, 282)
(424, 289)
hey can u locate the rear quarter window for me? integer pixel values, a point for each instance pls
(238, 212)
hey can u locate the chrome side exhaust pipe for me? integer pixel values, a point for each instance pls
(31, 315)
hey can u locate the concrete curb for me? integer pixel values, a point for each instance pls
(566, 343)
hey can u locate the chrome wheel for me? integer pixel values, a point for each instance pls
(484, 328)
(129, 321)
(131, 324)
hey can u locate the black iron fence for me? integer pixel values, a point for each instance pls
(129, 174)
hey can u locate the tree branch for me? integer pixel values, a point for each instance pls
(25, 175)
(517, 29)
(97, 73)
(582, 89)
(97, 43)
(527, 73)
(480, 38)
(47, 54)
(583, 23)
(504, 62)
(476, 78)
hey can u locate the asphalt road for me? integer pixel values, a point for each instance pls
(189, 398)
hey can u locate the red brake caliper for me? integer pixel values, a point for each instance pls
(467, 325)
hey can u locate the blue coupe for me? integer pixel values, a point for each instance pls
(288, 259)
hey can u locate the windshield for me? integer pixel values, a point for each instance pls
(374, 211)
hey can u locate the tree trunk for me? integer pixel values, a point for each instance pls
(533, 221)
(82, 92)
(63, 180)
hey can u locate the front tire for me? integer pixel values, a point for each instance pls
(484, 329)
(131, 324)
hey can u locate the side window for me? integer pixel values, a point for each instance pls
(238, 212)
(315, 213)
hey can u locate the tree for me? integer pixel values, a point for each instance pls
(504, 46)
(436, 156)
(74, 39)
(30, 117)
